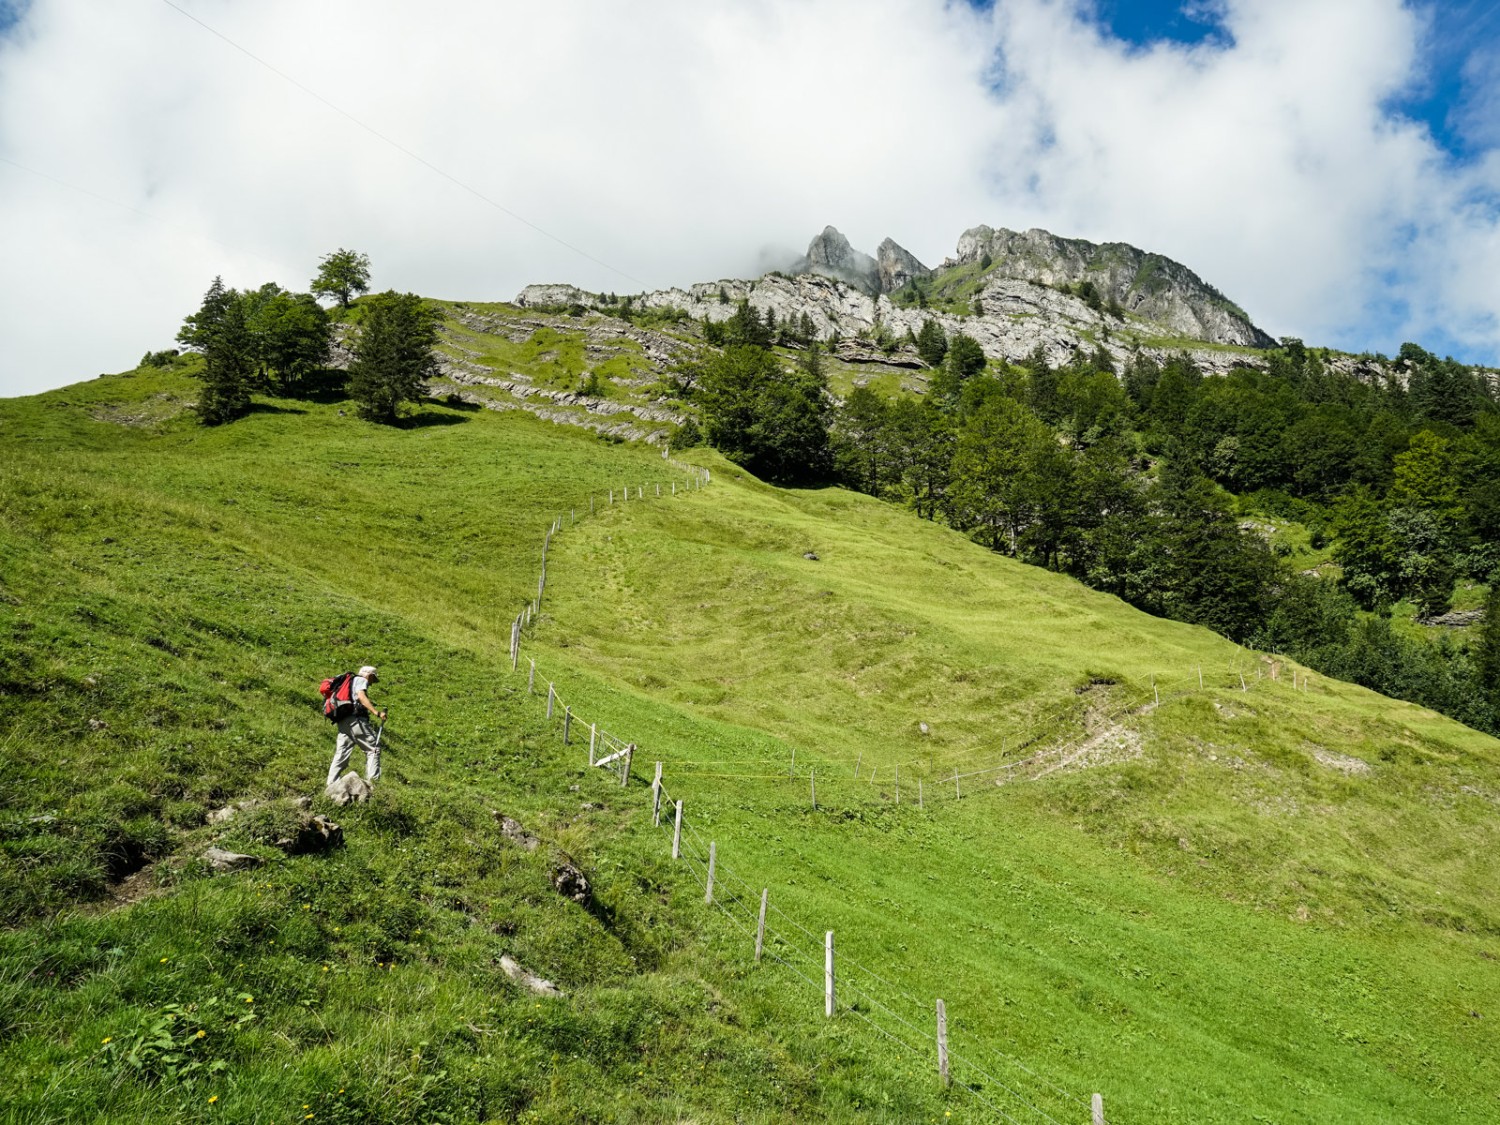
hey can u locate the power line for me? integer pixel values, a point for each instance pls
(399, 147)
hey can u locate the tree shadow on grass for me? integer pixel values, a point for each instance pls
(272, 408)
(327, 386)
(429, 418)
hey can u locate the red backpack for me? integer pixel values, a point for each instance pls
(338, 697)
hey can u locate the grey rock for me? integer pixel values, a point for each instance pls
(349, 789)
(896, 267)
(570, 882)
(924, 728)
(1457, 619)
(511, 968)
(315, 834)
(219, 816)
(98, 724)
(811, 556)
(514, 832)
(830, 255)
(221, 860)
(1146, 284)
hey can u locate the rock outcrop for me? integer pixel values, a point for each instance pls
(897, 267)
(830, 255)
(349, 789)
(1149, 285)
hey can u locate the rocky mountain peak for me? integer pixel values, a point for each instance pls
(897, 266)
(1149, 285)
(831, 255)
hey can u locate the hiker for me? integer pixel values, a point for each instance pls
(354, 728)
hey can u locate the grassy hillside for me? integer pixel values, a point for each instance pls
(1271, 903)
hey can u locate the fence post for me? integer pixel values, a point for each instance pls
(920, 805)
(629, 757)
(713, 855)
(1242, 682)
(1098, 1109)
(957, 793)
(677, 834)
(828, 975)
(658, 490)
(1200, 677)
(872, 774)
(792, 769)
(593, 739)
(760, 929)
(550, 695)
(942, 1043)
(656, 798)
(1156, 691)
(567, 723)
(515, 643)
(531, 679)
(857, 759)
(611, 495)
(674, 488)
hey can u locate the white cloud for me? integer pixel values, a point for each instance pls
(679, 142)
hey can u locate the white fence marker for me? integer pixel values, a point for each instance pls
(656, 798)
(1098, 1109)
(550, 696)
(567, 723)
(942, 1043)
(713, 855)
(828, 975)
(593, 740)
(760, 929)
(677, 834)
(531, 680)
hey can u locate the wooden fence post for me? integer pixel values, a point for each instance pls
(1242, 682)
(713, 855)
(531, 680)
(611, 495)
(857, 759)
(1098, 1109)
(1156, 691)
(567, 723)
(629, 757)
(1200, 677)
(942, 1044)
(677, 834)
(828, 975)
(658, 490)
(956, 791)
(515, 643)
(550, 695)
(593, 740)
(792, 770)
(760, 929)
(656, 798)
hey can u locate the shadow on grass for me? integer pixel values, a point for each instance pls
(327, 386)
(272, 408)
(429, 418)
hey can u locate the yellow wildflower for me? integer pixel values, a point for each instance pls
(105, 1040)
(213, 1099)
(201, 1034)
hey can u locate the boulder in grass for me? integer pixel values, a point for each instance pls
(529, 980)
(514, 832)
(349, 789)
(570, 882)
(314, 834)
(221, 860)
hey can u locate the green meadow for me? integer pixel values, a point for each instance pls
(1256, 899)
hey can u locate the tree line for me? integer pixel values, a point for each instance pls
(272, 341)
(1135, 482)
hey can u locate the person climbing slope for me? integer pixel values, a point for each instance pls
(354, 727)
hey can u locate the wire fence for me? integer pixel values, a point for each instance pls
(1066, 734)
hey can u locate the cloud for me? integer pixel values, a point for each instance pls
(674, 143)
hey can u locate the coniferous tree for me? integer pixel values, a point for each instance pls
(394, 356)
(218, 330)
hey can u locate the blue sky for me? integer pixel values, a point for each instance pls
(1333, 166)
(1458, 31)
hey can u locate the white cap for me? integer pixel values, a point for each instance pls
(369, 671)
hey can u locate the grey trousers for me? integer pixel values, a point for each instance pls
(354, 731)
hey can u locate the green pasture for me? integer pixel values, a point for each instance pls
(1272, 904)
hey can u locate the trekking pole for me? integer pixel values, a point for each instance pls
(381, 730)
